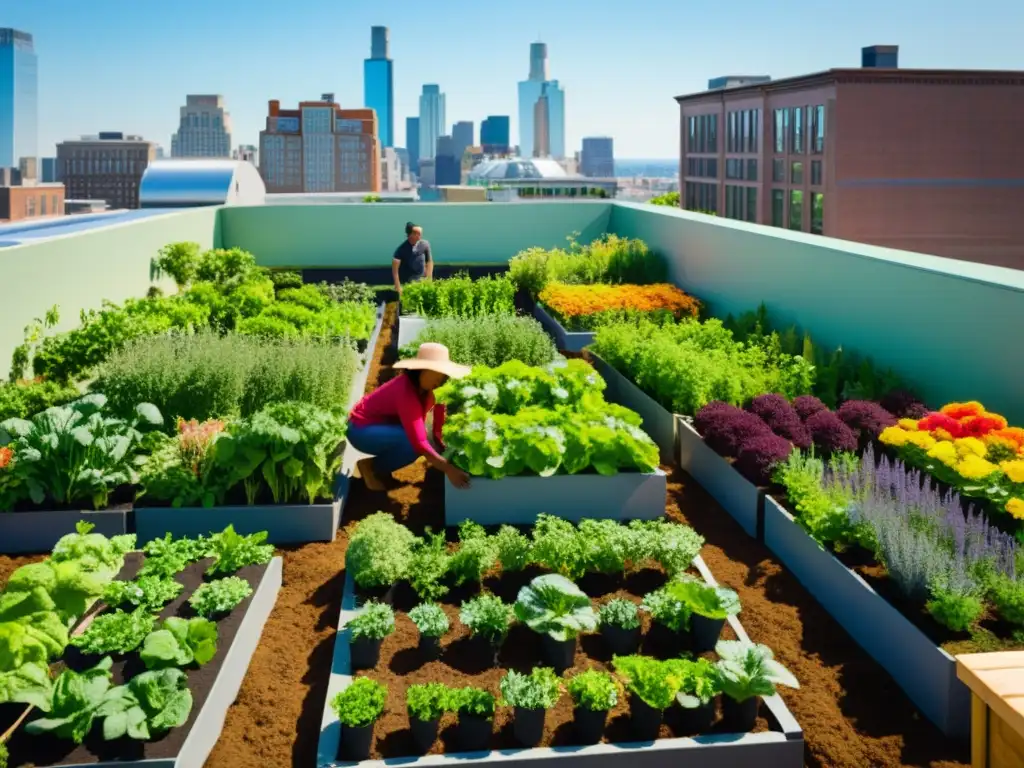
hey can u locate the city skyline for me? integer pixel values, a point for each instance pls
(633, 56)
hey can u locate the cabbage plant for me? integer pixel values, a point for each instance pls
(553, 605)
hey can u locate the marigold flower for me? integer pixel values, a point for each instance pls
(944, 452)
(999, 448)
(577, 300)
(979, 426)
(934, 422)
(968, 446)
(895, 436)
(1016, 508)
(962, 410)
(6, 457)
(922, 440)
(975, 468)
(909, 424)
(1014, 470)
(1013, 434)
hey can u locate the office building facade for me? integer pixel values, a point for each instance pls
(432, 120)
(320, 147)
(379, 85)
(19, 97)
(840, 153)
(204, 128)
(48, 170)
(464, 136)
(531, 90)
(494, 135)
(412, 143)
(106, 167)
(447, 162)
(597, 158)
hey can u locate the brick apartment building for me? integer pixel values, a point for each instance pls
(922, 160)
(107, 167)
(22, 196)
(320, 147)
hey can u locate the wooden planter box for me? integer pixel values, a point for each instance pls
(568, 341)
(997, 707)
(37, 532)
(925, 672)
(518, 500)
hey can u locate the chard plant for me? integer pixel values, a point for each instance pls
(215, 598)
(75, 703)
(553, 605)
(594, 690)
(430, 619)
(488, 617)
(538, 690)
(375, 622)
(180, 642)
(748, 669)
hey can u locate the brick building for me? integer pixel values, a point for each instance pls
(922, 160)
(106, 167)
(18, 202)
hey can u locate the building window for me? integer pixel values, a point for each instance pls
(733, 168)
(42, 205)
(751, 170)
(712, 133)
(796, 175)
(817, 213)
(816, 173)
(778, 207)
(780, 130)
(798, 130)
(796, 209)
(817, 134)
(751, 204)
(691, 134)
(779, 170)
(730, 136)
(746, 131)
(710, 168)
(701, 197)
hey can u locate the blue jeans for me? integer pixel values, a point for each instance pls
(387, 443)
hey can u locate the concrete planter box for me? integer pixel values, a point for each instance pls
(925, 672)
(518, 500)
(37, 532)
(659, 422)
(568, 341)
(782, 747)
(409, 327)
(284, 523)
(737, 495)
(358, 388)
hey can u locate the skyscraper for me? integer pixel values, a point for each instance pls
(447, 164)
(432, 120)
(597, 159)
(463, 135)
(494, 135)
(204, 128)
(19, 108)
(378, 85)
(530, 92)
(412, 143)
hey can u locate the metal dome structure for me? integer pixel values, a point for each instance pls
(507, 169)
(189, 183)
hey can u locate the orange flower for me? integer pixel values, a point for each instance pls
(1013, 434)
(576, 300)
(963, 410)
(6, 457)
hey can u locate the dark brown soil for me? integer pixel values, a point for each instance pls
(26, 749)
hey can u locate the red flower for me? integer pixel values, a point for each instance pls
(979, 426)
(934, 421)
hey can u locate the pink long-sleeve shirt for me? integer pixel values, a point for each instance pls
(398, 402)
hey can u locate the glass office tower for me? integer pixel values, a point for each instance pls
(378, 85)
(19, 109)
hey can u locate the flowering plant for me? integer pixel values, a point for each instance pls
(579, 307)
(969, 448)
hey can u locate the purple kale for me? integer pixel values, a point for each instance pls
(709, 413)
(904, 404)
(830, 434)
(781, 418)
(808, 405)
(866, 419)
(724, 431)
(759, 456)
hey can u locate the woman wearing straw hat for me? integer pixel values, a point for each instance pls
(390, 422)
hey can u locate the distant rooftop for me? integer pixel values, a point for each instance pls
(21, 233)
(735, 81)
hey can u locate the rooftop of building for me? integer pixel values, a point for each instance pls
(519, 168)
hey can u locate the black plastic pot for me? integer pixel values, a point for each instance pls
(528, 726)
(384, 594)
(424, 732)
(589, 724)
(697, 720)
(365, 653)
(621, 642)
(740, 716)
(473, 734)
(704, 633)
(644, 720)
(430, 647)
(559, 653)
(355, 742)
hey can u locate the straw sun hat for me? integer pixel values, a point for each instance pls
(434, 357)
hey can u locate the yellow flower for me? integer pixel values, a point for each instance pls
(975, 468)
(909, 424)
(894, 436)
(970, 446)
(1014, 470)
(922, 440)
(941, 434)
(944, 452)
(1016, 508)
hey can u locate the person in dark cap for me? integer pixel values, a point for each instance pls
(412, 260)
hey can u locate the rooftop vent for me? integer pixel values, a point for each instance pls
(880, 57)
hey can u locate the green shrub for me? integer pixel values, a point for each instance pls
(460, 296)
(427, 701)
(430, 619)
(375, 622)
(475, 702)
(609, 259)
(594, 690)
(515, 551)
(538, 690)
(285, 278)
(488, 340)
(488, 617)
(179, 261)
(24, 399)
(348, 290)
(379, 552)
(361, 703)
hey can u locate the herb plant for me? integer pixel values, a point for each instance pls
(117, 632)
(701, 683)
(488, 617)
(149, 592)
(489, 340)
(594, 690)
(475, 556)
(375, 622)
(655, 682)
(149, 705)
(619, 613)
(361, 703)
(429, 565)
(219, 597)
(232, 551)
(748, 669)
(427, 702)
(180, 642)
(514, 549)
(460, 296)
(77, 697)
(474, 702)
(380, 551)
(429, 619)
(554, 605)
(168, 557)
(667, 609)
(538, 690)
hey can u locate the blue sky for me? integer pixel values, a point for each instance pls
(127, 65)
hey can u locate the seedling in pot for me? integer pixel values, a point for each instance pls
(594, 693)
(669, 613)
(358, 708)
(555, 607)
(653, 686)
(748, 672)
(708, 606)
(428, 567)
(475, 710)
(620, 626)
(432, 623)
(366, 633)
(531, 695)
(515, 551)
(426, 704)
(476, 555)
(697, 694)
(489, 618)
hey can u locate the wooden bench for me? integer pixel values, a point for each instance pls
(996, 681)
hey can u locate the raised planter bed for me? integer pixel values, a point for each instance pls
(214, 688)
(358, 388)
(659, 422)
(925, 672)
(32, 532)
(409, 327)
(568, 341)
(518, 500)
(781, 747)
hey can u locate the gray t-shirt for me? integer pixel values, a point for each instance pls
(413, 260)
